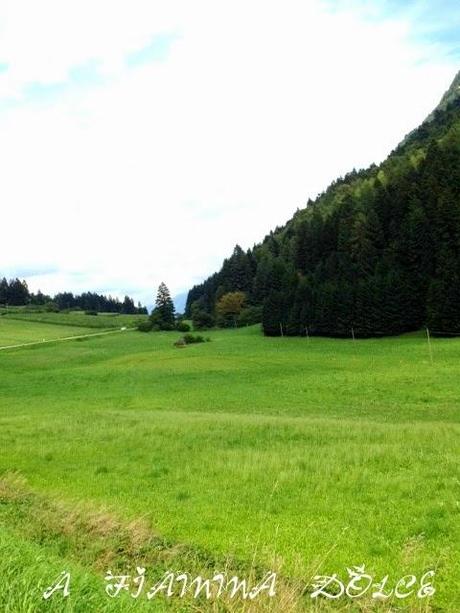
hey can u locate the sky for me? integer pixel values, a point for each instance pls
(140, 141)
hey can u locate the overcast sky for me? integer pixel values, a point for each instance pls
(141, 140)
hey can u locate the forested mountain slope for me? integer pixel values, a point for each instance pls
(377, 253)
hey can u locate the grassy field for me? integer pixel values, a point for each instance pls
(14, 332)
(72, 318)
(301, 456)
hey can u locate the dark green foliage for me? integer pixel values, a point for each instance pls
(182, 326)
(128, 307)
(276, 305)
(377, 254)
(444, 292)
(201, 319)
(145, 326)
(4, 287)
(16, 293)
(38, 299)
(162, 316)
(90, 301)
(141, 310)
(51, 307)
(190, 339)
(250, 316)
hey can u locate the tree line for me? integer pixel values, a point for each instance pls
(377, 254)
(16, 293)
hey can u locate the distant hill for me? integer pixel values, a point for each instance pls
(377, 253)
(180, 301)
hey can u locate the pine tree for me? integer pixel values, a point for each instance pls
(163, 314)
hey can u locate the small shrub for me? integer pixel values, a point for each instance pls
(91, 312)
(193, 338)
(182, 326)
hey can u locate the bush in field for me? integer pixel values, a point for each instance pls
(91, 312)
(145, 326)
(182, 326)
(194, 338)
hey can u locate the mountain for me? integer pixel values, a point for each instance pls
(377, 253)
(180, 301)
(451, 94)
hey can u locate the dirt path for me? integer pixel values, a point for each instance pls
(64, 338)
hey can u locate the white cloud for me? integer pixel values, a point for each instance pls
(155, 172)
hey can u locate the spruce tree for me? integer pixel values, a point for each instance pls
(163, 314)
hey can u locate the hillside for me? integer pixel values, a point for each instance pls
(378, 253)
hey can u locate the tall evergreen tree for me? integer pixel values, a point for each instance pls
(163, 313)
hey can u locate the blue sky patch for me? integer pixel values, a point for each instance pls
(156, 51)
(431, 22)
(80, 77)
(85, 74)
(43, 91)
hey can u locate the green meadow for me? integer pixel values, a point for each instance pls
(13, 332)
(69, 318)
(301, 456)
